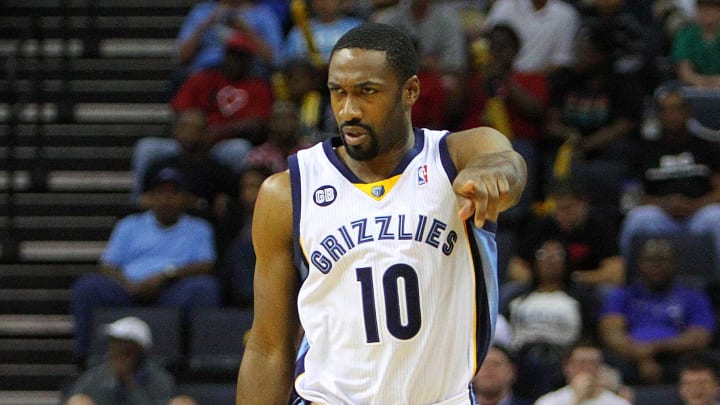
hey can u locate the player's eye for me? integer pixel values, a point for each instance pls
(368, 90)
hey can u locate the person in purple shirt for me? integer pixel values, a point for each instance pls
(650, 324)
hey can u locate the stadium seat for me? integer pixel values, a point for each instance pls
(656, 394)
(217, 340)
(165, 324)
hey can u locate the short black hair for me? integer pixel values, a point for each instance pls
(701, 361)
(398, 46)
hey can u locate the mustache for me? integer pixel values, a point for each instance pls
(356, 123)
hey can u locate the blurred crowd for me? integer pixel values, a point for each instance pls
(595, 94)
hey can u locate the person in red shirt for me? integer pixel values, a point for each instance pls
(512, 102)
(237, 106)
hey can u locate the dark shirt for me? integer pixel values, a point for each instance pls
(683, 167)
(587, 245)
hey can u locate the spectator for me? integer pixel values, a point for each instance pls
(209, 24)
(284, 139)
(648, 325)
(126, 376)
(512, 102)
(596, 110)
(306, 87)
(209, 180)
(546, 319)
(236, 105)
(161, 256)
(237, 266)
(213, 184)
(439, 36)
(632, 48)
(493, 383)
(696, 47)
(582, 370)
(699, 382)
(546, 29)
(681, 179)
(589, 236)
(328, 24)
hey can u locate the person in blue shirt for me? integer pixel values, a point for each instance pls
(650, 324)
(161, 256)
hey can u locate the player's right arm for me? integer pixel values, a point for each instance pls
(267, 367)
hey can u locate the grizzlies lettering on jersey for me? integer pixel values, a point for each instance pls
(399, 296)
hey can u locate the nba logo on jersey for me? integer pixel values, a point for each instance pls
(422, 175)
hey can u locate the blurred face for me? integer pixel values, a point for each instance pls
(284, 123)
(656, 264)
(250, 183)
(674, 114)
(550, 261)
(326, 10)
(370, 106)
(496, 376)
(587, 56)
(169, 202)
(191, 130)
(503, 48)
(570, 212)
(123, 353)
(698, 387)
(708, 15)
(584, 360)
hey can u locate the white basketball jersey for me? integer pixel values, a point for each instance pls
(399, 296)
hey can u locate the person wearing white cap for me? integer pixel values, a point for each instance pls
(126, 376)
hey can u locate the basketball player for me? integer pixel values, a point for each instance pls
(369, 243)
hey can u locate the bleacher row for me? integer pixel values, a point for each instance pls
(82, 82)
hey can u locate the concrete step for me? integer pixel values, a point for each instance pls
(30, 397)
(96, 134)
(35, 301)
(42, 276)
(36, 351)
(18, 377)
(54, 251)
(96, 69)
(36, 326)
(67, 204)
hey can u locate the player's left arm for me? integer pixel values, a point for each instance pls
(491, 175)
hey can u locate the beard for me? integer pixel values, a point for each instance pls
(364, 152)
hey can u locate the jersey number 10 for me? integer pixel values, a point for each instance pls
(400, 328)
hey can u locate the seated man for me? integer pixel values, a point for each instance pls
(584, 380)
(681, 180)
(648, 325)
(126, 376)
(493, 383)
(161, 256)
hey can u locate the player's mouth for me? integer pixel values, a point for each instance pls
(354, 136)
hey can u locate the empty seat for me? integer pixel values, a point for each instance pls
(165, 325)
(217, 339)
(209, 393)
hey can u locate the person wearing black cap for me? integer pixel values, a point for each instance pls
(161, 256)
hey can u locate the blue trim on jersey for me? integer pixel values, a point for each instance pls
(329, 146)
(446, 159)
(484, 254)
(298, 257)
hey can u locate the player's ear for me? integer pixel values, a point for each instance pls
(411, 90)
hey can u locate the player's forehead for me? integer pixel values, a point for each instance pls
(350, 66)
